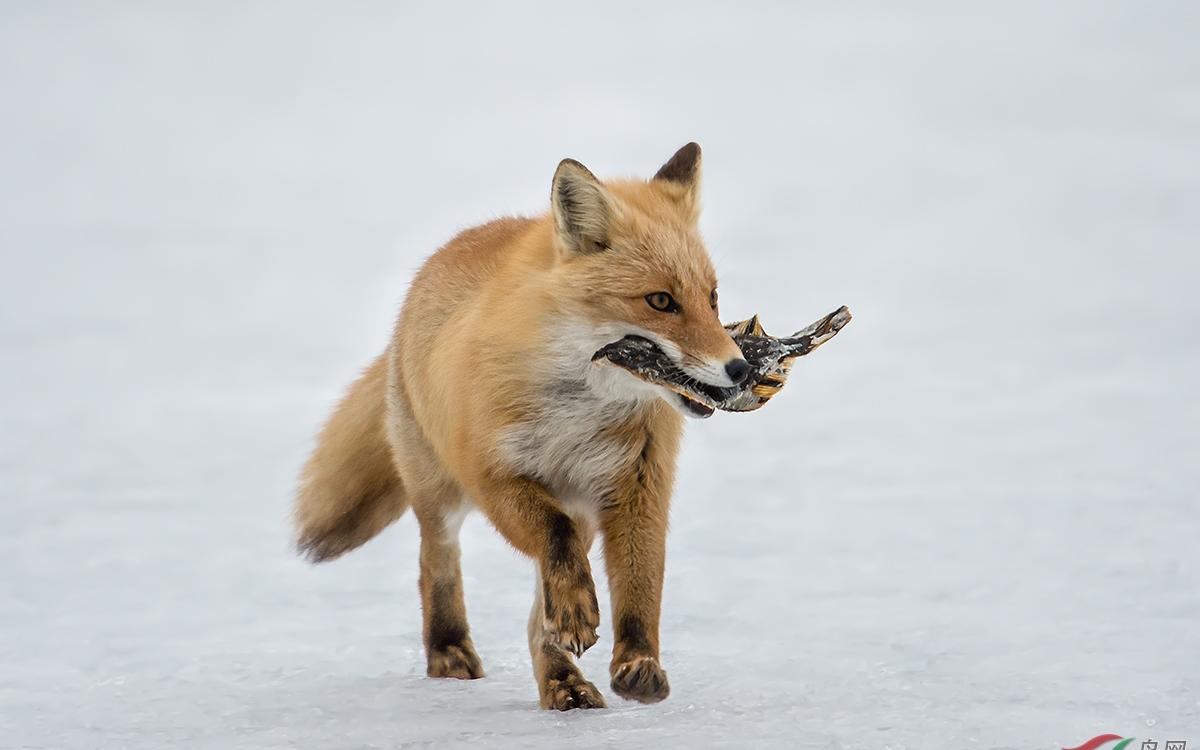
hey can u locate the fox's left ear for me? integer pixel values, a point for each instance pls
(682, 172)
(583, 209)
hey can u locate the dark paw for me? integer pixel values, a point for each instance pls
(567, 690)
(459, 662)
(572, 614)
(641, 679)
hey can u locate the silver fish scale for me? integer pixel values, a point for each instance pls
(770, 359)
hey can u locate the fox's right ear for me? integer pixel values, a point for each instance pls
(583, 208)
(682, 173)
(683, 168)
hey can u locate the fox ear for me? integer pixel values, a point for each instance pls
(582, 208)
(682, 168)
(683, 171)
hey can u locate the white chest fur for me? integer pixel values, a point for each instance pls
(569, 445)
(569, 440)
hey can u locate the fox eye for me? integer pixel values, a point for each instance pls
(712, 299)
(663, 302)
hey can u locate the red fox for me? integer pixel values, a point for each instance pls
(487, 398)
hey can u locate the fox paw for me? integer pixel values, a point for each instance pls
(641, 679)
(459, 662)
(566, 689)
(572, 614)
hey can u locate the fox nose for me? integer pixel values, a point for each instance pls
(737, 370)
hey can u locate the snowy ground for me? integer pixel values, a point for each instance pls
(970, 522)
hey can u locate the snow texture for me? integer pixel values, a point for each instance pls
(970, 521)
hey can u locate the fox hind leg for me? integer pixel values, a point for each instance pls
(449, 651)
(440, 508)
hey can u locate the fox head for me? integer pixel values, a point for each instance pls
(631, 262)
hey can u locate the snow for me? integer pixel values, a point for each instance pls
(970, 521)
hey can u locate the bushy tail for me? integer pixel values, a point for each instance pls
(349, 489)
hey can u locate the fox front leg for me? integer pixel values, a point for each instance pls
(529, 517)
(634, 525)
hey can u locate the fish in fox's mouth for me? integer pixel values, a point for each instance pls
(645, 360)
(770, 359)
(695, 408)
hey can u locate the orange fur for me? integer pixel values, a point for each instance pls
(487, 398)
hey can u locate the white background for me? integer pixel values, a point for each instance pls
(969, 522)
